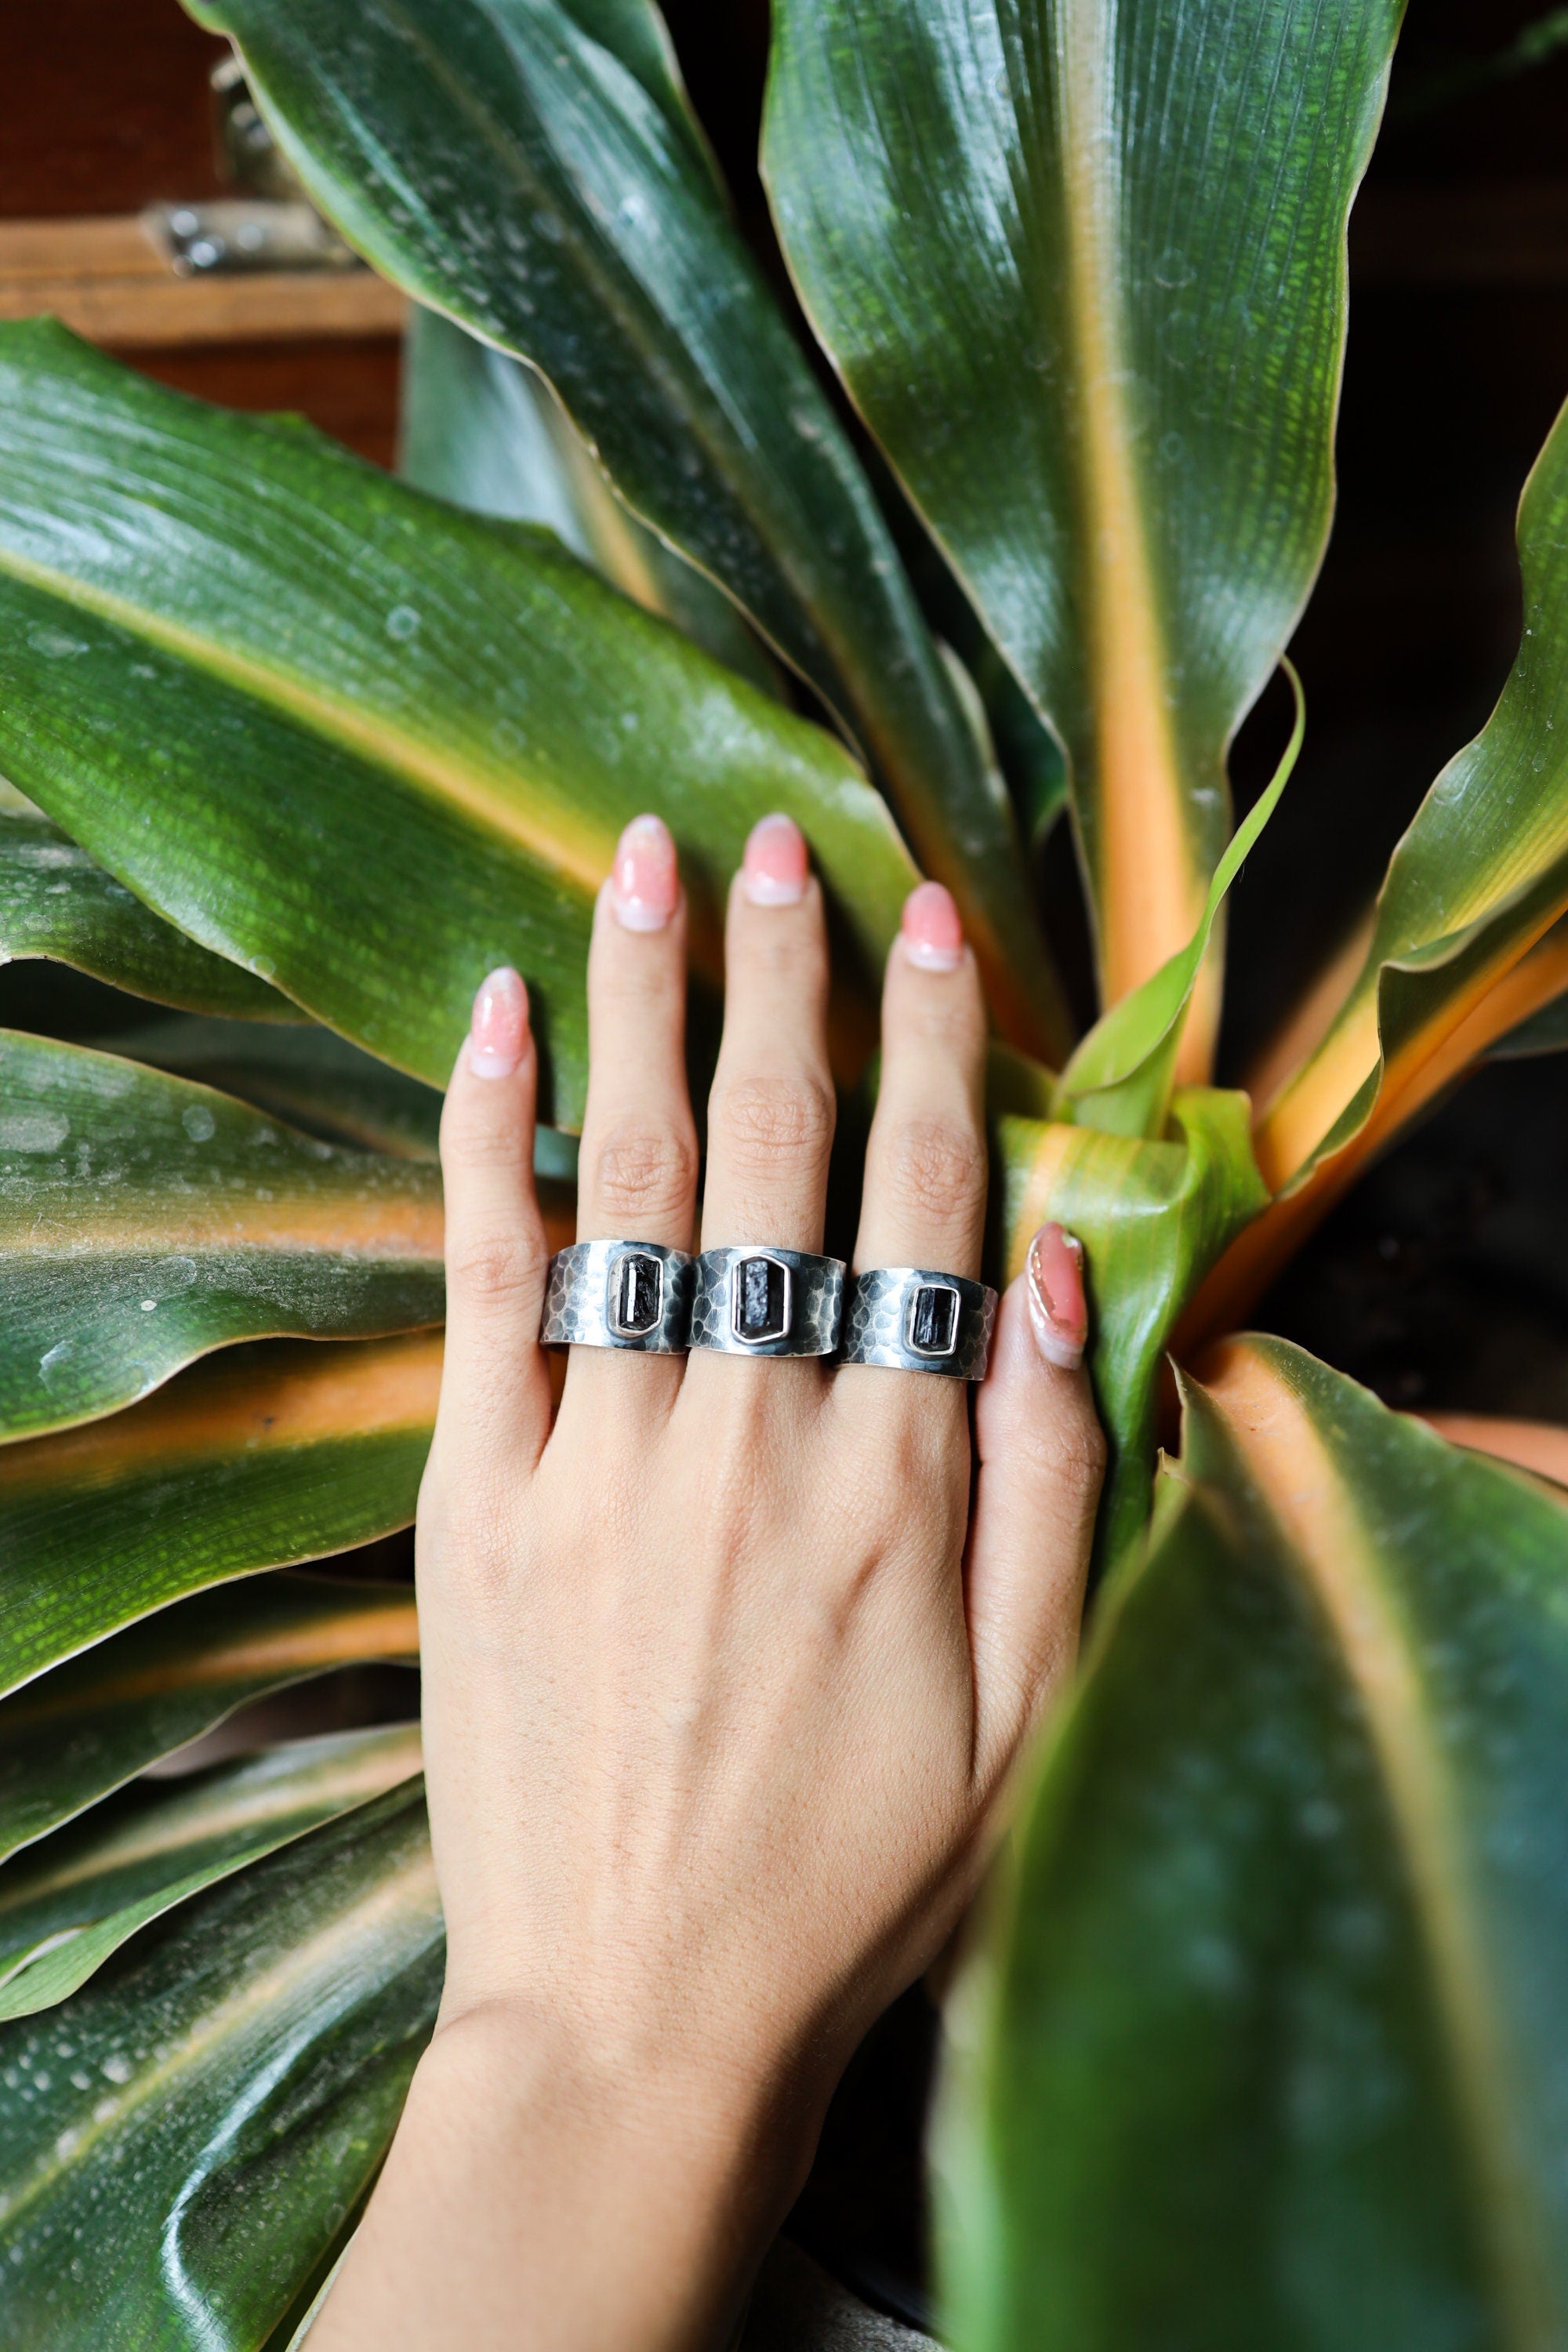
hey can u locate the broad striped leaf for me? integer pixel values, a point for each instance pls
(72, 1902)
(568, 214)
(205, 2116)
(1464, 945)
(1268, 2049)
(320, 1083)
(487, 432)
(357, 740)
(55, 902)
(1539, 1446)
(1152, 1217)
(268, 1455)
(1081, 264)
(307, 1075)
(144, 1220)
(71, 1736)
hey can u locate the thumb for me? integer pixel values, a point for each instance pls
(1042, 1457)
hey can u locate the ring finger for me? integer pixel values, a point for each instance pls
(924, 1199)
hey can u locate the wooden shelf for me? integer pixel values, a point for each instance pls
(107, 280)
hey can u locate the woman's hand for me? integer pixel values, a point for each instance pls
(725, 1668)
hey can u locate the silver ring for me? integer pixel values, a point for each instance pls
(618, 1294)
(759, 1301)
(911, 1319)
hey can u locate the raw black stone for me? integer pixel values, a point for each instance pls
(638, 1288)
(933, 1324)
(759, 1299)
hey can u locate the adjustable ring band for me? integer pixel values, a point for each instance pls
(759, 1301)
(910, 1318)
(618, 1294)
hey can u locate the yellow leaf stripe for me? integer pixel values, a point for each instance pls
(503, 803)
(339, 1392)
(1294, 1468)
(364, 1767)
(1426, 1063)
(1150, 894)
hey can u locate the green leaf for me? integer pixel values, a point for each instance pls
(307, 1075)
(202, 2117)
(269, 1455)
(70, 1904)
(1467, 940)
(333, 727)
(144, 1220)
(1081, 268)
(1152, 1217)
(487, 432)
(1120, 1076)
(1268, 2047)
(1480, 876)
(320, 1083)
(55, 902)
(71, 1736)
(496, 161)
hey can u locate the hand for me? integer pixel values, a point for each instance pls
(726, 1668)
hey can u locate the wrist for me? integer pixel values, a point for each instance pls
(690, 2164)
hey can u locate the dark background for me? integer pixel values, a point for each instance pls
(1443, 1280)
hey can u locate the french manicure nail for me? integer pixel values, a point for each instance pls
(775, 870)
(1057, 1308)
(932, 933)
(644, 881)
(499, 1030)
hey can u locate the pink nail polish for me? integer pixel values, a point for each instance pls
(933, 934)
(499, 1030)
(775, 870)
(1057, 1308)
(645, 882)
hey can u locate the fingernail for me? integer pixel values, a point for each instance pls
(1057, 1308)
(773, 871)
(933, 934)
(499, 1030)
(644, 881)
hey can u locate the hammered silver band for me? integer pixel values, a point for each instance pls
(912, 1318)
(760, 1301)
(617, 1294)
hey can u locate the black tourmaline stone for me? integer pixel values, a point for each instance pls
(639, 1281)
(933, 1324)
(759, 1299)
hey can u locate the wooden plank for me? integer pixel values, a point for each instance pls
(107, 280)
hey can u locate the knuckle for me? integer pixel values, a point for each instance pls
(1068, 1452)
(934, 1169)
(496, 1269)
(758, 1121)
(473, 1137)
(642, 1167)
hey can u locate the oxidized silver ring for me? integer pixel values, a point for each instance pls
(618, 1294)
(759, 1301)
(913, 1319)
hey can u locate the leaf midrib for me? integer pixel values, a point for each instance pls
(293, 1971)
(583, 865)
(1328, 1543)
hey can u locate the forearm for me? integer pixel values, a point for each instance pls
(536, 2202)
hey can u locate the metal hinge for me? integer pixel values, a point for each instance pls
(238, 234)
